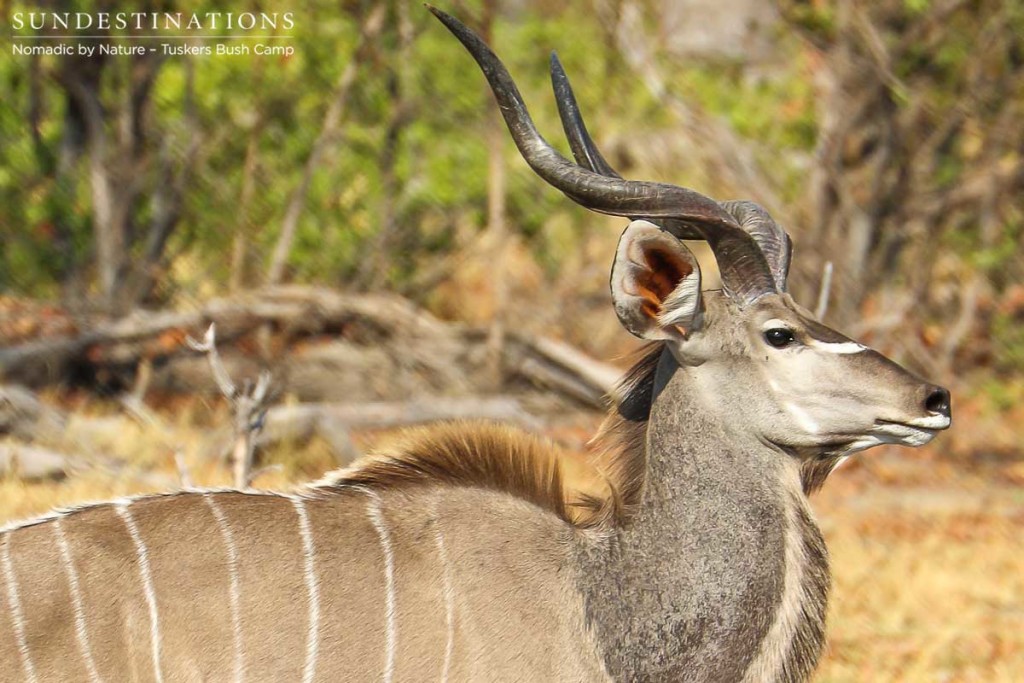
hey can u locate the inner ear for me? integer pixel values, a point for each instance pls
(666, 271)
(655, 283)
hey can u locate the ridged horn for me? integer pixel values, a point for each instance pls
(744, 270)
(773, 241)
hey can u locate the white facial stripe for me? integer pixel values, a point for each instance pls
(802, 417)
(829, 347)
(838, 347)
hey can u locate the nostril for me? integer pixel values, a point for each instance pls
(937, 401)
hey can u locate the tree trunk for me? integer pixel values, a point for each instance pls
(497, 236)
(328, 133)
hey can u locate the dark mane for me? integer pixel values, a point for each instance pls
(815, 470)
(620, 449)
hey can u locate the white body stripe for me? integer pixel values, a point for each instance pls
(235, 594)
(17, 616)
(377, 519)
(147, 586)
(449, 600)
(313, 588)
(775, 646)
(81, 632)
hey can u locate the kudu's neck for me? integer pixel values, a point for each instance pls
(722, 575)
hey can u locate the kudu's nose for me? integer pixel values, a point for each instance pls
(937, 400)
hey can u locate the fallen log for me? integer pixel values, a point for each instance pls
(556, 365)
(323, 346)
(25, 417)
(32, 462)
(292, 311)
(390, 414)
(48, 430)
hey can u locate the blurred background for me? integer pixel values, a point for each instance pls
(356, 221)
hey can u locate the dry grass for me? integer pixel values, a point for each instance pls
(927, 555)
(929, 577)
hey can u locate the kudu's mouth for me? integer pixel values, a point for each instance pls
(935, 402)
(916, 432)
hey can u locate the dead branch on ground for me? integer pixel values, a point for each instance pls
(328, 346)
(248, 405)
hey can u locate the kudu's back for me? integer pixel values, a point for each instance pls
(339, 583)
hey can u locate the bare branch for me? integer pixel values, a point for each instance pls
(183, 472)
(220, 374)
(247, 405)
(262, 387)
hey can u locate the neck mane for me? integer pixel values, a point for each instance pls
(602, 493)
(489, 456)
(717, 570)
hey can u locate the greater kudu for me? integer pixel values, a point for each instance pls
(459, 553)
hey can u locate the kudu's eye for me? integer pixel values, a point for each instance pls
(779, 337)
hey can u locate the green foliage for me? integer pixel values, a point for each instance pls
(276, 105)
(815, 18)
(1002, 395)
(917, 6)
(272, 109)
(776, 110)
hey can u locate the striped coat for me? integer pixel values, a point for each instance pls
(360, 578)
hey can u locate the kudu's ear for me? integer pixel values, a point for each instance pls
(655, 284)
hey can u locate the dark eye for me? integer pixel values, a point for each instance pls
(779, 337)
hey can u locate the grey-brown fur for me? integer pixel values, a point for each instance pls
(689, 590)
(509, 564)
(460, 553)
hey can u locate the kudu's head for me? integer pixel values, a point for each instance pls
(755, 354)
